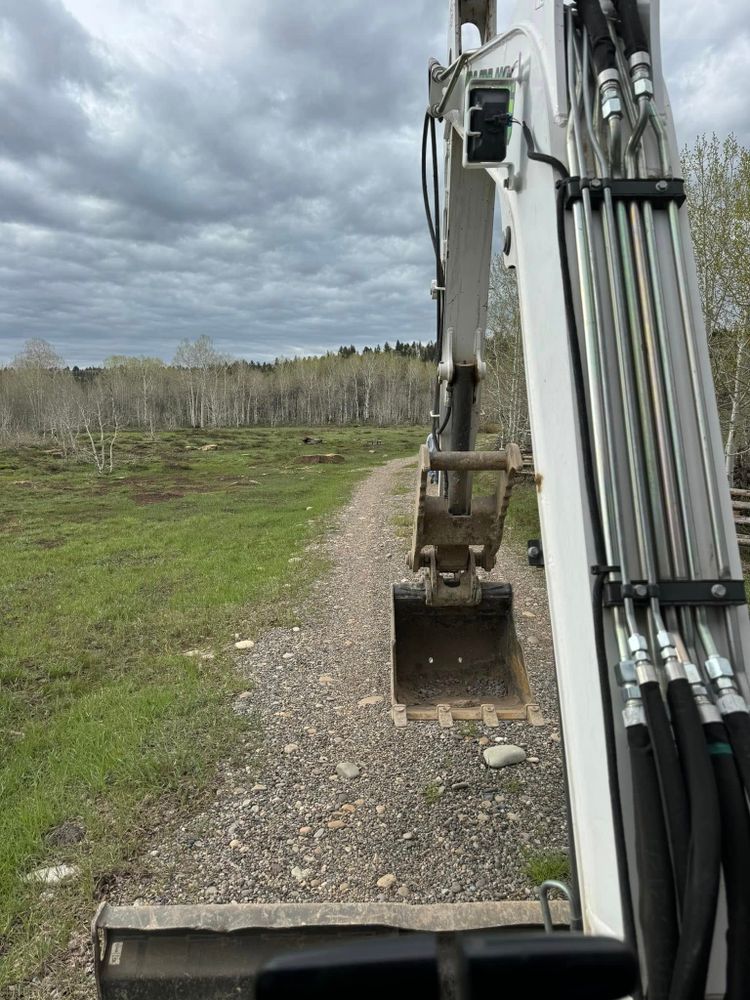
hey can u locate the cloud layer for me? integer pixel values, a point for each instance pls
(247, 170)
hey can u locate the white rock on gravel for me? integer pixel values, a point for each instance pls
(503, 756)
(346, 769)
(386, 881)
(244, 644)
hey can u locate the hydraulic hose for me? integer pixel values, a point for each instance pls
(671, 784)
(602, 46)
(735, 858)
(658, 915)
(632, 29)
(704, 862)
(738, 726)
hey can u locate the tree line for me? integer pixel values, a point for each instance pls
(84, 408)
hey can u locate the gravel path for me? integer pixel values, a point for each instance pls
(424, 820)
(285, 826)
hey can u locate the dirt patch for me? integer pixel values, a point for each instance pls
(159, 497)
(320, 459)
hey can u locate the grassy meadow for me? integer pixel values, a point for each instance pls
(107, 581)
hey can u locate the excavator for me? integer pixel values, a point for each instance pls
(564, 114)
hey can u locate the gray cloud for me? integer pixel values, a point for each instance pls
(249, 170)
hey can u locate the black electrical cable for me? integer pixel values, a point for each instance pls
(445, 419)
(672, 784)
(659, 924)
(579, 383)
(632, 28)
(602, 46)
(738, 726)
(533, 154)
(704, 862)
(587, 444)
(426, 128)
(433, 224)
(735, 859)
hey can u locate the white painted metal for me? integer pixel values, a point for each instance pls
(534, 49)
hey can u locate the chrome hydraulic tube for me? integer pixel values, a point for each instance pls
(596, 357)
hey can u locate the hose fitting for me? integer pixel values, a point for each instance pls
(610, 94)
(673, 668)
(706, 709)
(627, 681)
(644, 669)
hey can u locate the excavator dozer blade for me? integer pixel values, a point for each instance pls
(275, 951)
(458, 662)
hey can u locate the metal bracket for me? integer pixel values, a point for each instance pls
(677, 593)
(659, 193)
(443, 541)
(535, 553)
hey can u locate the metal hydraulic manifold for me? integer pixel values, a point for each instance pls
(454, 649)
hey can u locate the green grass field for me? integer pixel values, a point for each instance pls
(107, 581)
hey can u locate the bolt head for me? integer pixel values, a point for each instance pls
(641, 590)
(611, 106)
(661, 185)
(719, 590)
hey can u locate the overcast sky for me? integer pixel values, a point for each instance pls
(247, 169)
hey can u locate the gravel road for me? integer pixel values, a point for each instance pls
(424, 820)
(285, 826)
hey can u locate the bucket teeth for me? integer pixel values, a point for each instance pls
(444, 716)
(398, 713)
(489, 716)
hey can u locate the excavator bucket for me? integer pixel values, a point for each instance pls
(458, 661)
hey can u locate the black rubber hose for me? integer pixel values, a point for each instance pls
(632, 27)
(738, 726)
(602, 46)
(584, 424)
(658, 914)
(671, 785)
(735, 859)
(704, 862)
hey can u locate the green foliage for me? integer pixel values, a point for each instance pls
(106, 584)
(522, 519)
(432, 792)
(541, 866)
